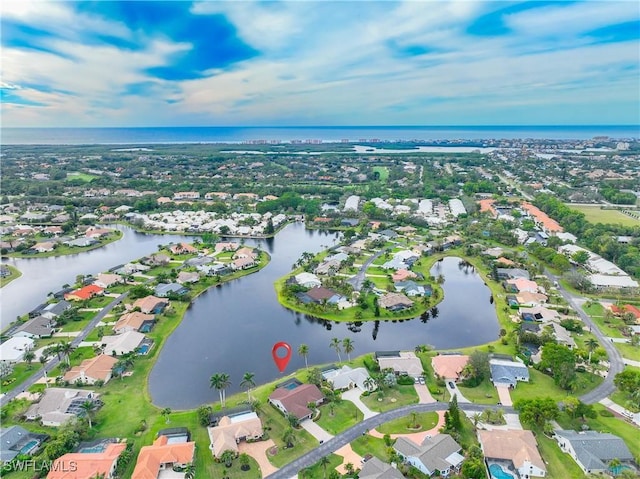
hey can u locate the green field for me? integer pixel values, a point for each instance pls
(76, 175)
(595, 214)
(383, 171)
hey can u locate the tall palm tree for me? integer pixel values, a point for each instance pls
(220, 381)
(324, 462)
(303, 350)
(369, 383)
(591, 344)
(65, 350)
(28, 357)
(88, 407)
(348, 347)
(248, 382)
(335, 344)
(43, 360)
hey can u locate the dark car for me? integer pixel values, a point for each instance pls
(451, 385)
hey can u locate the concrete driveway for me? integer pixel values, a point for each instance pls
(353, 395)
(454, 390)
(504, 395)
(424, 396)
(316, 431)
(258, 451)
(348, 456)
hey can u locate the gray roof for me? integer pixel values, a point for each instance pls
(433, 452)
(374, 468)
(164, 289)
(198, 261)
(502, 372)
(57, 308)
(38, 326)
(513, 272)
(595, 449)
(9, 439)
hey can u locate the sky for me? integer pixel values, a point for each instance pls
(308, 63)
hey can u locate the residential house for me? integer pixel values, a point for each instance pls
(81, 242)
(38, 327)
(243, 263)
(53, 230)
(186, 277)
(91, 370)
(183, 248)
(593, 451)
(395, 302)
(320, 295)
(44, 247)
(96, 233)
(295, 401)
(158, 259)
(562, 336)
(186, 195)
(245, 253)
(163, 290)
(528, 299)
(53, 310)
(539, 313)
(84, 293)
(219, 269)
(230, 430)
(198, 261)
(226, 246)
(511, 273)
(348, 378)
(122, 343)
(542, 220)
(13, 349)
(134, 321)
(410, 288)
(151, 304)
(106, 280)
(403, 275)
(327, 267)
(504, 372)
(513, 449)
(17, 440)
(163, 455)
(401, 362)
(502, 261)
(58, 405)
(81, 465)
(374, 468)
(307, 280)
(520, 285)
(438, 455)
(449, 366)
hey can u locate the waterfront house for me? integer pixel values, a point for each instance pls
(449, 366)
(105, 280)
(528, 299)
(86, 292)
(395, 302)
(243, 263)
(307, 280)
(320, 295)
(161, 457)
(511, 273)
(438, 455)
(158, 259)
(402, 275)
(122, 343)
(134, 321)
(230, 430)
(53, 310)
(151, 304)
(44, 247)
(186, 277)
(519, 285)
(90, 370)
(593, 451)
(539, 313)
(17, 440)
(163, 290)
(86, 465)
(346, 377)
(410, 288)
(38, 327)
(512, 450)
(504, 372)
(57, 405)
(13, 349)
(295, 400)
(401, 362)
(183, 248)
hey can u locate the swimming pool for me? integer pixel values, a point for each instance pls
(144, 349)
(145, 328)
(93, 449)
(28, 447)
(497, 472)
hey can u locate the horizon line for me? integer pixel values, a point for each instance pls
(628, 125)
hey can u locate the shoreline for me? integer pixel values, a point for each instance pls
(82, 249)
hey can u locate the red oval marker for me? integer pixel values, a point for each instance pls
(281, 361)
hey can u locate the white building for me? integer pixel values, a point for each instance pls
(12, 351)
(352, 203)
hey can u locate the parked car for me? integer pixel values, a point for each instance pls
(421, 380)
(451, 385)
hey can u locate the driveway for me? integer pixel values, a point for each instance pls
(504, 395)
(258, 450)
(454, 390)
(316, 431)
(349, 456)
(424, 396)
(353, 395)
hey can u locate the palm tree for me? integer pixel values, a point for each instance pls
(28, 357)
(303, 350)
(248, 382)
(88, 407)
(288, 437)
(43, 360)
(227, 457)
(335, 344)
(324, 462)
(190, 471)
(166, 412)
(220, 381)
(348, 347)
(65, 350)
(369, 383)
(591, 344)
(245, 461)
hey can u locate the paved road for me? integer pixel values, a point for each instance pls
(310, 458)
(615, 358)
(54, 362)
(360, 276)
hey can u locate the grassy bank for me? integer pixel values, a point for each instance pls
(14, 273)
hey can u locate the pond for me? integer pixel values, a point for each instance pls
(232, 328)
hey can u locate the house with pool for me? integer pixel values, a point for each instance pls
(511, 454)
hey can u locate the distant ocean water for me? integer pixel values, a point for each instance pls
(159, 135)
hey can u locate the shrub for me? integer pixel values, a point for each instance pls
(606, 413)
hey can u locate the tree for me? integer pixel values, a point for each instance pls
(591, 344)
(303, 350)
(245, 462)
(88, 407)
(324, 462)
(65, 350)
(335, 344)
(314, 376)
(203, 415)
(580, 257)
(43, 360)
(477, 369)
(28, 357)
(190, 471)
(561, 362)
(248, 382)
(537, 411)
(369, 383)
(227, 457)
(614, 466)
(288, 437)
(166, 412)
(221, 382)
(348, 347)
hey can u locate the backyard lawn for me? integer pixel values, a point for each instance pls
(559, 464)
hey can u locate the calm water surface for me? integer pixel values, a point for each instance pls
(232, 328)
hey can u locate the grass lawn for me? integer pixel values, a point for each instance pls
(13, 274)
(76, 175)
(318, 471)
(95, 335)
(484, 393)
(595, 214)
(610, 328)
(233, 472)
(21, 372)
(541, 385)
(99, 302)
(403, 425)
(623, 400)
(559, 464)
(345, 415)
(382, 171)
(628, 351)
(368, 444)
(393, 398)
(73, 326)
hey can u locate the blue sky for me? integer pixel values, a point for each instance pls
(179, 63)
